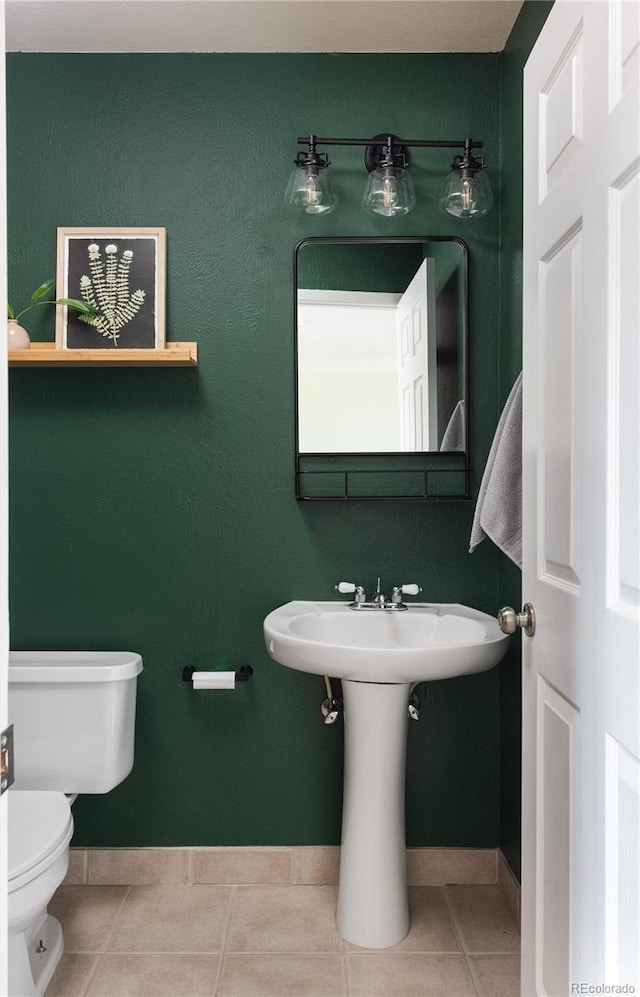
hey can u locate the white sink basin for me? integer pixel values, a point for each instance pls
(427, 641)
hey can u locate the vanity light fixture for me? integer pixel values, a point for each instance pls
(389, 189)
(310, 188)
(467, 191)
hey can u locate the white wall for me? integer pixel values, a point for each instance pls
(347, 378)
(4, 529)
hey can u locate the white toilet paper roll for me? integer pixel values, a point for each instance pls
(214, 680)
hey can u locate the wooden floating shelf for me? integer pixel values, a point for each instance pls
(46, 355)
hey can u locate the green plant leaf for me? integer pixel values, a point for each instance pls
(79, 306)
(10, 311)
(43, 291)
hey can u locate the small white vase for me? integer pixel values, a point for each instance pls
(17, 337)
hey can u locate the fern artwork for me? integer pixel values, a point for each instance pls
(107, 290)
(119, 275)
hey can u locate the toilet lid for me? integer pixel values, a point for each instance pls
(39, 822)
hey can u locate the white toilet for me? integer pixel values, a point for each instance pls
(73, 714)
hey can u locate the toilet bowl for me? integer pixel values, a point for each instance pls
(74, 714)
(40, 828)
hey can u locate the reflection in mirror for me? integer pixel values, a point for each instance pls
(381, 345)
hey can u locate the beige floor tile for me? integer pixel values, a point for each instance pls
(483, 919)
(282, 976)
(72, 975)
(409, 975)
(154, 976)
(496, 975)
(87, 915)
(138, 866)
(284, 919)
(432, 928)
(242, 865)
(172, 919)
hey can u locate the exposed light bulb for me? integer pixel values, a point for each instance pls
(310, 190)
(389, 192)
(314, 194)
(467, 191)
(466, 195)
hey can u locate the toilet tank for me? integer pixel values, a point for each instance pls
(73, 714)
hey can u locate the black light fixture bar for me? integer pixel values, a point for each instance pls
(417, 143)
(389, 190)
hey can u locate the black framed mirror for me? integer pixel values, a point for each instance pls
(381, 378)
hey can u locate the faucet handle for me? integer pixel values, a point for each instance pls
(360, 597)
(399, 591)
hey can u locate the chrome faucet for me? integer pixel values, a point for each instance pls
(379, 600)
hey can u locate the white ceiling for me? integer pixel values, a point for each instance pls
(259, 25)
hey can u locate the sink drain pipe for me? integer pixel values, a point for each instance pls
(414, 702)
(331, 708)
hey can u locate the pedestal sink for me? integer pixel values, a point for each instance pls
(378, 655)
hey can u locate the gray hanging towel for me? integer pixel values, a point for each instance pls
(498, 512)
(454, 434)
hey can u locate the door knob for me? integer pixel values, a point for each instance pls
(509, 620)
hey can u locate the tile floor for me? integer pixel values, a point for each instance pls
(277, 941)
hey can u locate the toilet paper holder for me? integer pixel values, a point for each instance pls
(243, 675)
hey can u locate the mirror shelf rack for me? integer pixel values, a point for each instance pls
(380, 477)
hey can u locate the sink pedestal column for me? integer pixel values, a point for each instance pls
(373, 909)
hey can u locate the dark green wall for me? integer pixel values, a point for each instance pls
(523, 36)
(360, 267)
(154, 509)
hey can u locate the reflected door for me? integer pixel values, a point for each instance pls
(416, 343)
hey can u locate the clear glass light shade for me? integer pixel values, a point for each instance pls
(466, 196)
(389, 191)
(311, 190)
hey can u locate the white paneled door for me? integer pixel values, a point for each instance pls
(581, 557)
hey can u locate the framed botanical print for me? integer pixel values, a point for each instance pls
(120, 274)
